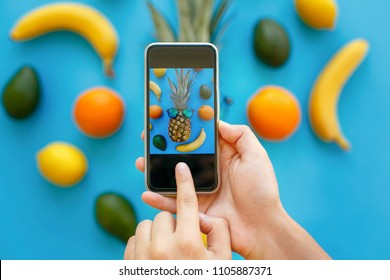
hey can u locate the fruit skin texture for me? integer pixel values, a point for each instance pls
(156, 89)
(318, 14)
(274, 113)
(22, 94)
(185, 148)
(155, 112)
(99, 112)
(327, 89)
(116, 215)
(206, 112)
(79, 18)
(271, 43)
(62, 164)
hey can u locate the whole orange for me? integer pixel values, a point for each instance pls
(274, 113)
(155, 112)
(99, 112)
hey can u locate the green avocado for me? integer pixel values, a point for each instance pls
(271, 42)
(159, 142)
(22, 94)
(116, 215)
(205, 91)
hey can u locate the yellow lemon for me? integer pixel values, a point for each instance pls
(318, 14)
(160, 72)
(62, 164)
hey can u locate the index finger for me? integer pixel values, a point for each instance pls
(187, 202)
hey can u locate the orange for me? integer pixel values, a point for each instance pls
(274, 113)
(99, 112)
(155, 112)
(206, 113)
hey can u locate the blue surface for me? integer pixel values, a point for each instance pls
(342, 199)
(160, 126)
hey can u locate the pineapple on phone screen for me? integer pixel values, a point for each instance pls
(179, 128)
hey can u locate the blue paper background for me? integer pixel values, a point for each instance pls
(160, 126)
(342, 199)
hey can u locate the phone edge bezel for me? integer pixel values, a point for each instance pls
(216, 113)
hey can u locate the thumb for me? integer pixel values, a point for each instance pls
(242, 138)
(218, 236)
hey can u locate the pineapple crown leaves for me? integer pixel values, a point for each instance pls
(197, 21)
(180, 94)
(164, 31)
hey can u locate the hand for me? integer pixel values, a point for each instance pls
(248, 199)
(167, 238)
(248, 194)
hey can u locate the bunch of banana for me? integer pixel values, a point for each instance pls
(79, 18)
(327, 89)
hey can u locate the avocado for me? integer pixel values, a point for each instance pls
(116, 215)
(271, 42)
(159, 142)
(22, 94)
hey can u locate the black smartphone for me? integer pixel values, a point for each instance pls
(181, 115)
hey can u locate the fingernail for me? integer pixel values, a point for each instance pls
(181, 167)
(155, 195)
(224, 123)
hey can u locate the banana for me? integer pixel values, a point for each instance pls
(79, 18)
(193, 145)
(156, 89)
(327, 89)
(204, 239)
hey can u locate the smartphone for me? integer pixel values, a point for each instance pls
(181, 115)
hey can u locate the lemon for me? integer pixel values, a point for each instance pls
(159, 72)
(62, 164)
(318, 14)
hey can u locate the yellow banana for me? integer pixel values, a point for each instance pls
(204, 239)
(327, 89)
(79, 18)
(193, 145)
(156, 89)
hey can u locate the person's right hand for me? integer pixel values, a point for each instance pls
(180, 238)
(248, 199)
(248, 195)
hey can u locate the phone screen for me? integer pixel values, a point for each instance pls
(181, 114)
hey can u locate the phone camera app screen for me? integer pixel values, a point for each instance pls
(182, 125)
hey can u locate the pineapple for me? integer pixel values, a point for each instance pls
(179, 128)
(197, 22)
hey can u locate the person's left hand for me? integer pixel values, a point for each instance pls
(167, 238)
